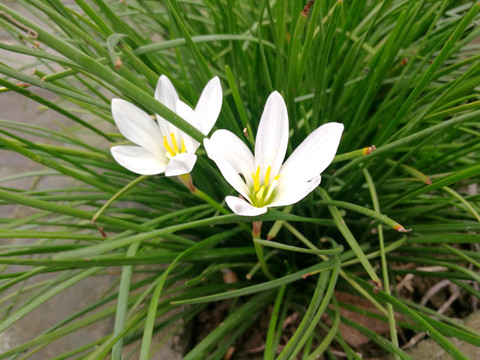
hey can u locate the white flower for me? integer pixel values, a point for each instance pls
(262, 180)
(163, 147)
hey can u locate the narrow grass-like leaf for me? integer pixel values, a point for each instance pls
(323, 294)
(350, 238)
(269, 353)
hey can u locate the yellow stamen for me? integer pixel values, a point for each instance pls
(174, 142)
(256, 179)
(168, 147)
(260, 192)
(184, 149)
(267, 175)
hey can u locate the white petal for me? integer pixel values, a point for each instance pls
(136, 125)
(243, 208)
(181, 164)
(272, 135)
(209, 105)
(232, 157)
(236, 152)
(188, 114)
(292, 193)
(314, 154)
(139, 160)
(165, 93)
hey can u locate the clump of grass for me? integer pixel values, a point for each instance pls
(401, 76)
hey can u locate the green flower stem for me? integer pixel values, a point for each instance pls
(256, 233)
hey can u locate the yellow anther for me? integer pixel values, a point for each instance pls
(260, 192)
(256, 179)
(174, 142)
(267, 175)
(277, 177)
(183, 149)
(168, 147)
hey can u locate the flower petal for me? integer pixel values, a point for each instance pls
(181, 164)
(165, 93)
(189, 115)
(136, 125)
(232, 157)
(235, 151)
(313, 155)
(139, 160)
(291, 193)
(209, 105)
(241, 207)
(272, 135)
